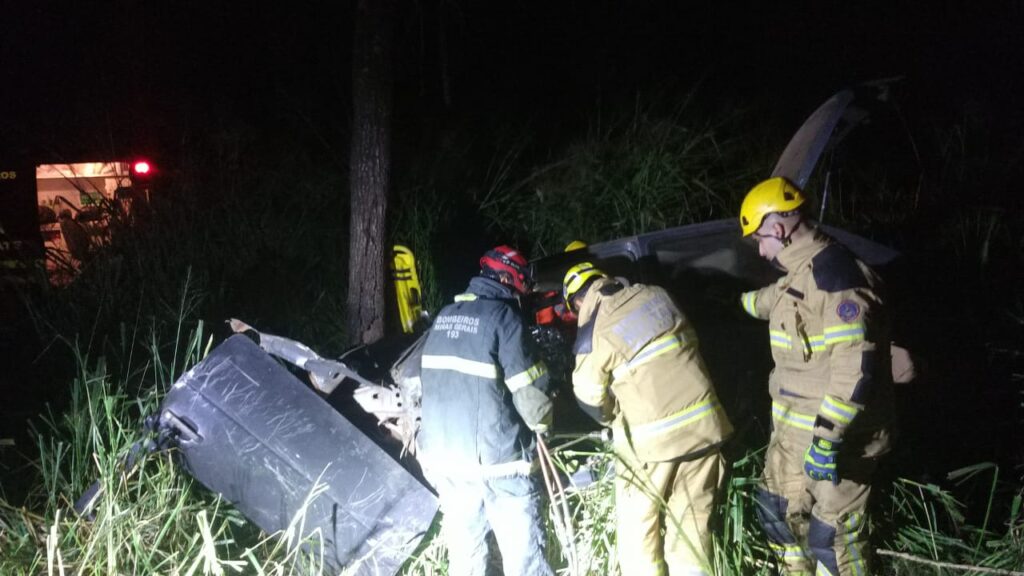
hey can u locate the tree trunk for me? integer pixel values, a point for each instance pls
(369, 168)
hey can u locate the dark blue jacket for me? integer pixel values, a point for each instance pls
(484, 385)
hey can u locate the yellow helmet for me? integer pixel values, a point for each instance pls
(578, 278)
(575, 245)
(771, 196)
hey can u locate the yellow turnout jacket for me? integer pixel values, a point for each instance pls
(639, 370)
(829, 341)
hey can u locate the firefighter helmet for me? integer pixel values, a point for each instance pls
(508, 265)
(775, 195)
(577, 280)
(575, 245)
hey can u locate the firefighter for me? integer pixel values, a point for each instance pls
(485, 395)
(830, 389)
(639, 371)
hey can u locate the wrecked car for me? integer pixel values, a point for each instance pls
(337, 465)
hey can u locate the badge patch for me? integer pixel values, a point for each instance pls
(848, 310)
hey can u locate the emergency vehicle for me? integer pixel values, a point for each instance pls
(53, 217)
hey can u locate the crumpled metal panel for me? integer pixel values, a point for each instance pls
(264, 441)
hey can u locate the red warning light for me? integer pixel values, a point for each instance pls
(142, 168)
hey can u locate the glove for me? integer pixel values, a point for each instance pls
(820, 460)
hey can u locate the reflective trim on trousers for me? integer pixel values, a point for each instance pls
(854, 524)
(787, 551)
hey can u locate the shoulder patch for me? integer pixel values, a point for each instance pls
(848, 311)
(835, 269)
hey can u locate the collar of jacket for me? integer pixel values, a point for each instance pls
(801, 250)
(491, 289)
(591, 300)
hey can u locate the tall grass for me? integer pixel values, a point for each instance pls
(150, 518)
(931, 534)
(643, 172)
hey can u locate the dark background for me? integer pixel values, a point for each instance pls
(82, 78)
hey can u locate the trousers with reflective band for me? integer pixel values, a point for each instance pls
(828, 521)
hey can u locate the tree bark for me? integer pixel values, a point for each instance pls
(369, 168)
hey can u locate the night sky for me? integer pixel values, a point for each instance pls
(82, 78)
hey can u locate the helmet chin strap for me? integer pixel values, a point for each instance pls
(788, 238)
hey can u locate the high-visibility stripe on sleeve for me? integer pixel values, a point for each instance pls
(467, 297)
(789, 417)
(684, 417)
(780, 339)
(651, 351)
(526, 377)
(844, 333)
(460, 365)
(837, 410)
(749, 300)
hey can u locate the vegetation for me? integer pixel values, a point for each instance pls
(151, 306)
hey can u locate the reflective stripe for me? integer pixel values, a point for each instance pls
(526, 377)
(817, 343)
(750, 303)
(682, 418)
(789, 417)
(787, 550)
(822, 570)
(467, 297)
(853, 528)
(652, 350)
(460, 365)
(780, 339)
(844, 333)
(838, 410)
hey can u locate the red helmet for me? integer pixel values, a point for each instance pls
(505, 262)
